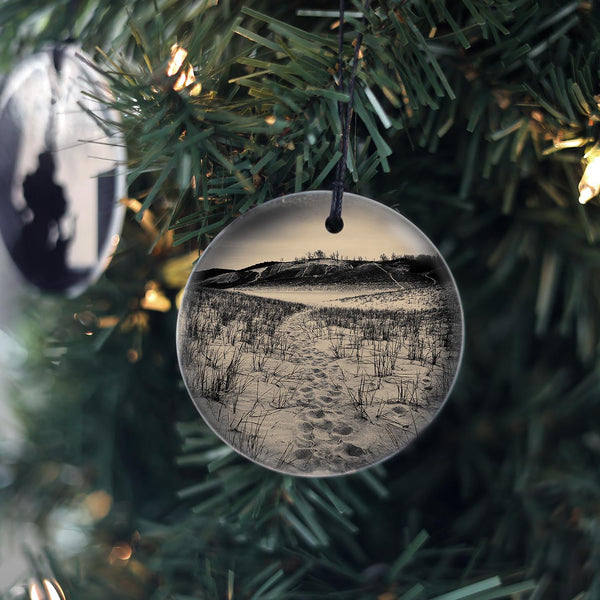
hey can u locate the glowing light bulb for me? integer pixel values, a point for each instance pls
(589, 186)
(178, 55)
(34, 592)
(53, 590)
(154, 299)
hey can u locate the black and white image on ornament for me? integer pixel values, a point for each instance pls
(62, 170)
(314, 353)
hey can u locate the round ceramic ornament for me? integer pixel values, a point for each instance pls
(314, 353)
(62, 172)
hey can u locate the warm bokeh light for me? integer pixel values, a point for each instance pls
(98, 504)
(107, 322)
(120, 552)
(133, 355)
(186, 76)
(154, 299)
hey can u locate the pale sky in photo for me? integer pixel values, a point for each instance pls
(291, 227)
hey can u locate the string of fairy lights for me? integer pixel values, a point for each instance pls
(185, 79)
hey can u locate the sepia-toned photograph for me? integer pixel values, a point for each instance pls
(314, 353)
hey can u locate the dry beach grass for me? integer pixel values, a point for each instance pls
(340, 381)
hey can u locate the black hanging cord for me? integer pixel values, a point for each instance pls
(73, 8)
(334, 222)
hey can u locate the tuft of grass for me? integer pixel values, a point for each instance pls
(362, 397)
(337, 344)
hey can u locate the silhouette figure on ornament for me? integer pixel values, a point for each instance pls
(41, 250)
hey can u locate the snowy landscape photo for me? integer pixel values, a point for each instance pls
(325, 362)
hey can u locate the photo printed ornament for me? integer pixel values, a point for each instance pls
(314, 353)
(62, 170)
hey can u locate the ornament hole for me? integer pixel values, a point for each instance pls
(334, 224)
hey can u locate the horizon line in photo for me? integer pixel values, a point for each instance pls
(318, 254)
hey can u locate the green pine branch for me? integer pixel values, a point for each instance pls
(499, 102)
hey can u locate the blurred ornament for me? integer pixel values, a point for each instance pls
(62, 170)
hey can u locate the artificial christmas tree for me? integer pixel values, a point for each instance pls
(475, 120)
